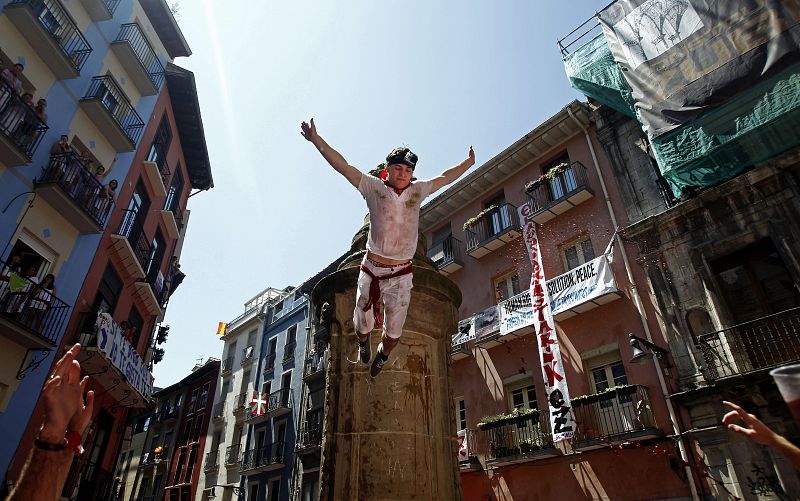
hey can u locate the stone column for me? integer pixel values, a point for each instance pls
(391, 437)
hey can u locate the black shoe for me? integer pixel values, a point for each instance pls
(378, 363)
(364, 351)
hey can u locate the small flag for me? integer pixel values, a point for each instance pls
(222, 328)
(258, 407)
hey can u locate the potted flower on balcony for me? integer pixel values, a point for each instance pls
(494, 421)
(548, 176)
(607, 394)
(469, 223)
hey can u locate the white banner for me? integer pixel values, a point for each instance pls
(122, 355)
(463, 446)
(487, 322)
(581, 284)
(466, 331)
(562, 420)
(515, 313)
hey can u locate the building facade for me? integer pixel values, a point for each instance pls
(101, 67)
(221, 466)
(622, 420)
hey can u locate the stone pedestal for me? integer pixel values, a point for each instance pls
(391, 437)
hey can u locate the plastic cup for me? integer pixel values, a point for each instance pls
(788, 380)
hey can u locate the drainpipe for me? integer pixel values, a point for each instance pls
(640, 308)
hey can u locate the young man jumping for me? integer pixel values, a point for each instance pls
(394, 220)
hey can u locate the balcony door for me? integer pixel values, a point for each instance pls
(499, 220)
(561, 183)
(614, 415)
(138, 207)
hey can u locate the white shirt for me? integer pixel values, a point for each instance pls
(394, 219)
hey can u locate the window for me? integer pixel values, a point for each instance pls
(201, 402)
(266, 388)
(154, 260)
(607, 371)
(135, 215)
(245, 381)
(108, 291)
(577, 252)
(161, 142)
(521, 395)
(274, 489)
(253, 490)
(441, 248)
(291, 335)
(500, 219)
(461, 414)
(273, 346)
(175, 190)
(136, 321)
(30, 258)
(506, 286)
(192, 401)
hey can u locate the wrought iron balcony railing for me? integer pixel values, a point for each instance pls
(314, 364)
(623, 413)
(309, 437)
(168, 412)
(219, 410)
(271, 454)
(56, 21)
(68, 171)
(568, 181)
(448, 255)
(288, 351)
(242, 402)
(24, 304)
(759, 344)
(227, 364)
(232, 454)
(528, 435)
(19, 123)
(269, 364)
(130, 228)
(493, 225)
(104, 90)
(248, 354)
(132, 34)
(212, 460)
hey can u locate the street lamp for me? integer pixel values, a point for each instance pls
(238, 491)
(641, 356)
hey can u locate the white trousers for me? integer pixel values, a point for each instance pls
(395, 295)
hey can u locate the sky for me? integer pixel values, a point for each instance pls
(436, 76)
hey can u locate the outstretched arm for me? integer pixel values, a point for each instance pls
(759, 433)
(337, 161)
(454, 172)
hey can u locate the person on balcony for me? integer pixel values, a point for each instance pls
(40, 299)
(19, 287)
(105, 200)
(11, 84)
(10, 276)
(12, 118)
(385, 274)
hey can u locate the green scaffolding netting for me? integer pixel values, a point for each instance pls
(753, 127)
(592, 70)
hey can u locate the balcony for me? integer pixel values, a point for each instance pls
(242, 403)
(218, 413)
(494, 230)
(622, 414)
(154, 458)
(268, 458)
(309, 440)
(139, 59)
(758, 345)
(155, 178)
(232, 455)
(68, 186)
(25, 321)
(129, 245)
(448, 255)
(227, 365)
(567, 189)
(269, 364)
(150, 290)
(288, 351)
(460, 350)
(278, 403)
(314, 367)
(21, 130)
(52, 33)
(112, 113)
(212, 461)
(526, 439)
(113, 362)
(171, 224)
(467, 451)
(248, 355)
(168, 413)
(100, 10)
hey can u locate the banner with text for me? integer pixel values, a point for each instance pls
(463, 446)
(682, 57)
(581, 284)
(122, 355)
(515, 313)
(487, 322)
(466, 331)
(562, 420)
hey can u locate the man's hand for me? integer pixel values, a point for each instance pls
(63, 399)
(309, 131)
(754, 429)
(471, 156)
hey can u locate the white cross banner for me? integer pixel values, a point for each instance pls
(562, 420)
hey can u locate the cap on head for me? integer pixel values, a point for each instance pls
(402, 156)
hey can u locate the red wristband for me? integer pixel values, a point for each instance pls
(74, 442)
